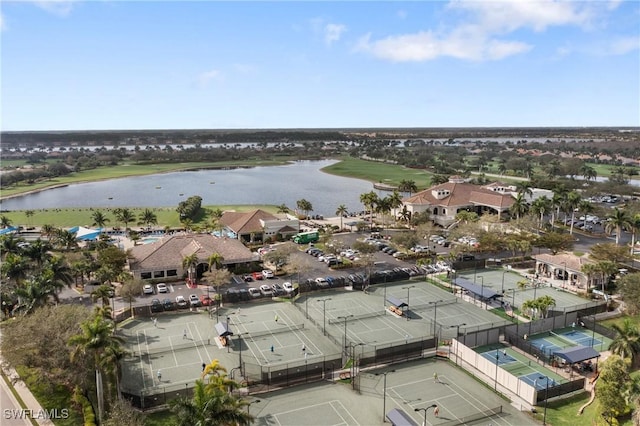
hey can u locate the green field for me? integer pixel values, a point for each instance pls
(167, 216)
(379, 172)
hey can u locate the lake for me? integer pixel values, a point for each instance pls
(258, 185)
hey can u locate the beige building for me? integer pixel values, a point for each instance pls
(163, 258)
(259, 225)
(444, 201)
(566, 270)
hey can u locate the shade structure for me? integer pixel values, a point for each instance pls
(86, 234)
(223, 329)
(577, 354)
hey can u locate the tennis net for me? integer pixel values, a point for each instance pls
(191, 344)
(357, 317)
(274, 331)
(473, 417)
(431, 305)
(563, 339)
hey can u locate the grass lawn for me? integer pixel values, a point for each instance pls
(160, 418)
(51, 397)
(66, 218)
(635, 319)
(379, 172)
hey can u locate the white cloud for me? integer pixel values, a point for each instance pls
(402, 14)
(56, 7)
(333, 32)
(482, 30)
(208, 76)
(624, 45)
(3, 23)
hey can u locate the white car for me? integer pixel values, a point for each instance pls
(267, 273)
(288, 287)
(254, 292)
(266, 290)
(147, 289)
(181, 301)
(194, 300)
(162, 288)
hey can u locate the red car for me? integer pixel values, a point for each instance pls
(205, 300)
(257, 275)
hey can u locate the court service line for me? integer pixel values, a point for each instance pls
(200, 338)
(344, 421)
(173, 352)
(480, 403)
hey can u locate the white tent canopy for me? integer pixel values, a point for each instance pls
(86, 234)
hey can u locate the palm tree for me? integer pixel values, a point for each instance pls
(408, 186)
(38, 251)
(190, 263)
(102, 293)
(65, 239)
(545, 303)
(282, 208)
(14, 267)
(571, 203)
(525, 188)
(99, 219)
(369, 199)
(588, 172)
(404, 214)
(215, 261)
(540, 207)
(32, 294)
(589, 269)
(618, 220)
(519, 206)
(341, 211)
(148, 218)
(5, 222)
(210, 406)
(97, 338)
(438, 179)
(634, 227)
(125, 216)
(627, 342)
(304, 206)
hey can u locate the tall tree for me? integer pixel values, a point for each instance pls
(148, 218)
(341, 211)
(408, 186)
(627, 341)
(369, 200)
(618, 220)
(99, 219)
(190, 263)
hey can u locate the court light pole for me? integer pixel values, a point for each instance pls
(435, 314)
(255, 401)
(324, 314)
(502, 287)
(457, 334)
(408, 288)
(424, 410)
(482, 292)
(384, 393)
(564, 275)
(495, 379)
(546, 398)
(345, 318)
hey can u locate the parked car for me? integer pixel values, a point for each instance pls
(205, 300)
(254, 292)
(156, 305)
(277, 289)
(288, 287)
(257, 275)
(162, 288)
(247, 278)
(266, 290)
(181, 302)
(267, 273)
(194, 300)
(167, 304)
(147, 289)
(322, 282)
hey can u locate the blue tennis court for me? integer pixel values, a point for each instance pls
(581, 338)
(545, 346)
(538, 381)
(503, 358)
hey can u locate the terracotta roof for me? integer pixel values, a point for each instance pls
(245, 223)
(461, 194)
(572, 261)
(169, 251)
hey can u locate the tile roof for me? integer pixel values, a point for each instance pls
(461, 194)
(573, 262)
(245, 223)
(169, 251)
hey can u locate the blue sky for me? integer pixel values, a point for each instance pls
(79, 65)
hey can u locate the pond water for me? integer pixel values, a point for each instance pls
(258, 185)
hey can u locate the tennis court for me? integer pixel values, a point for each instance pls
(520, 366)
(366, 320)
(410, 386)
(499, 279)
(552, 341)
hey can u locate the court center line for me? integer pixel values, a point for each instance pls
(142, 367)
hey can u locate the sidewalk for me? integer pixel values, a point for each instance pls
(30, 403)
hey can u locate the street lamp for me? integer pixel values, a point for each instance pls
(324, 315)
(345, 318)
(249, 404)
(546, 398)
(503, 272)
(424, 422)
(408, 288)
(384, 393)
(457, 334)
(435, 314)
